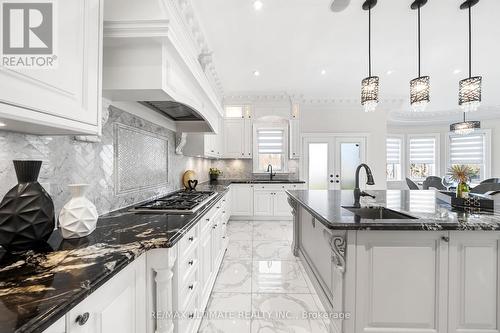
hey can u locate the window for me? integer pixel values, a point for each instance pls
(470, 150)
(237, 111)
(423, 153)
(394, 149)
(271, 149)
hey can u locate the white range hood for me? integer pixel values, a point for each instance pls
(150, 58)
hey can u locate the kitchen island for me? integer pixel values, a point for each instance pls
(415, 265)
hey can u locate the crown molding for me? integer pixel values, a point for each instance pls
(409, 118)
(136, 28)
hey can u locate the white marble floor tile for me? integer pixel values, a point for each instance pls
(239, 249)
(234, 276)
(278, 277)
(272, 250)
(280, 313)
(272, 230)
(226, 313)
(239, 230)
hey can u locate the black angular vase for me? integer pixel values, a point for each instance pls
(26, 211)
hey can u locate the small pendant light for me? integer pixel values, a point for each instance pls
(369, 85)
(465, 127)
(470, 88)
(419, 87)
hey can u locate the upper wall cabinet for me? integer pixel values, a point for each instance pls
(60, 92)
(238, 132)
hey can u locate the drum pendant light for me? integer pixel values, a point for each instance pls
(419, 87)
(470, 88)
(370, 84)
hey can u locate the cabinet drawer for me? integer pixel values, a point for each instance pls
(188, 290)
(186, 324)
(188, 264)
(188, 242)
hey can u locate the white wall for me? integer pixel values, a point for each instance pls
(329, 119)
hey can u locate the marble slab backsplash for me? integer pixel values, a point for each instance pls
(67, 161)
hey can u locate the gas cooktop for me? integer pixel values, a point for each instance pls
(181, 202)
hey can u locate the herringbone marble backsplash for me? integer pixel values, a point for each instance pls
(66, 161)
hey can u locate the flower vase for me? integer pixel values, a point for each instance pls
(463, 190)
(27, 211)
(78, 217)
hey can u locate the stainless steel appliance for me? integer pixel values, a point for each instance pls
(181, 202)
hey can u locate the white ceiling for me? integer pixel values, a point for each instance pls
(290, 41)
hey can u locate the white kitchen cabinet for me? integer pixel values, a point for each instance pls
(242, 200)
(57, 327)
(281, 207)
(118, 306)
(401, 283)
(203, 145)
(206, 263)
(474, 283)
(294, 138)
(65, 99)
(238, 138)
(263, 203)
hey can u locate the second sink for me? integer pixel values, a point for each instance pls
(378, 213)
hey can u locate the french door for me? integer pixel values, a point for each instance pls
(330, 161)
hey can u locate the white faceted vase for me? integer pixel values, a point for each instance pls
(78, 218)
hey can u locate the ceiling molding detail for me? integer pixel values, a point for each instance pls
(197, 35)
(408, 118)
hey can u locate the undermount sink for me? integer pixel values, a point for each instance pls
(378, 213)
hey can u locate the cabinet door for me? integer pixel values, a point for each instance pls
(241, 200)
(263, 203)
(233, 138)
(317, 250)
(401, 282)
(58, 327)
(67, 97)
(294, 139)
(117, 306)
(474, 283)
(248, 138)
(206, 264)
(281, 205)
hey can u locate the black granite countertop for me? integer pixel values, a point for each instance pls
(227, 182)
(430, 213)
(38, 287)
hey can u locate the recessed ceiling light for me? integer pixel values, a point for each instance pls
(323, 72)
(2, 124)
(389, 72)
(457, 71)
(258, 4)
(256, 73)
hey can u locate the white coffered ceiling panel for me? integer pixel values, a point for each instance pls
(291, 41)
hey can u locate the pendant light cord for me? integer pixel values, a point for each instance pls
(419, 41)
(470, 42)
(370, 42)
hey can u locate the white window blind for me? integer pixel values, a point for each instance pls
(422, 150)
(468, 149)
(270, 141)
(393, 150)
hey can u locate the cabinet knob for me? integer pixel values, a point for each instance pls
(191, 238)
(191, 316)
(191, 262)
(82, 319)
(445, 239)
(191, 287)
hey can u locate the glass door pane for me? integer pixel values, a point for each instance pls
(350, 158)
(318, 166)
